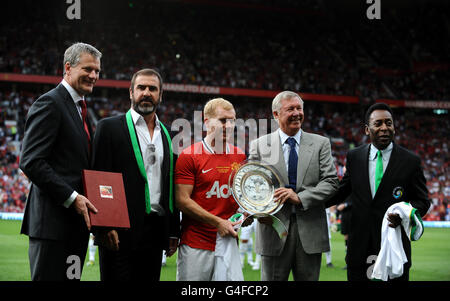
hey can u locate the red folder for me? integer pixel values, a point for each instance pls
(106, 192)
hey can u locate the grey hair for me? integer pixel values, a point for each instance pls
(276, 103)
(73, 53)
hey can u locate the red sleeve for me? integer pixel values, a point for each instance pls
(185, 169)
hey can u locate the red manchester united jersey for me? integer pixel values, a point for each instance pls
(208, 172)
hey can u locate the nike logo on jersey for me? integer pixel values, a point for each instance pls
(205, 171)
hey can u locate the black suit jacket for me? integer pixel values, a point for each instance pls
(113, 152)
(54, 153)
(404, 170)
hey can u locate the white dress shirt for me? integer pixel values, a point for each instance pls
(286, 148)
(154, 176)
(75, 96)
(386, 155)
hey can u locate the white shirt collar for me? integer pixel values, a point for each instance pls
(136, 117)
(74, 94)
(284, 136)
(384, 152)
(210, 149)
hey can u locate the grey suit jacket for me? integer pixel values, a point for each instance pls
(317, 181)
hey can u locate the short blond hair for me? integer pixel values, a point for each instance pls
(209, 111)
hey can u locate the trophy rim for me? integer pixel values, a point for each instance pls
(272, 210)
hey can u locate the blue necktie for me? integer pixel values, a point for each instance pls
(292, 163)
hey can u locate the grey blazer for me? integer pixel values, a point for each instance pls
(317, 181)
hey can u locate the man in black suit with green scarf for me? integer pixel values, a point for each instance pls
(377, 176)
(138, 145)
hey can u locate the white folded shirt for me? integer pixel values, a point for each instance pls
(392, 257)
(227, 261)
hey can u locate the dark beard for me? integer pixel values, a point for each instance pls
(144, 109)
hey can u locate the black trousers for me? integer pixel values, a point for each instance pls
(141, 264)
(54, 260)
(359, 273)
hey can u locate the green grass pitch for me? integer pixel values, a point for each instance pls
(431, 261)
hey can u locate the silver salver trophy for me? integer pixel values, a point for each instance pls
(253, 186)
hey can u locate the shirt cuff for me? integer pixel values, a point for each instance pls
(71, 199)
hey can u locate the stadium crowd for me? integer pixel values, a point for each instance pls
(14, 185)
(342, 123)
(324, 52)
(307, 46)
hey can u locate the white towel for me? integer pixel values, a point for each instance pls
(390, 259)
(227, 261)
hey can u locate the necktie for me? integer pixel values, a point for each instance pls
(292, 163)
(378, 170)
(84, 117)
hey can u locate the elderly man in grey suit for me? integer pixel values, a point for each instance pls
(305, 164)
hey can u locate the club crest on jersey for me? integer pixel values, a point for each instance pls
(235, 166)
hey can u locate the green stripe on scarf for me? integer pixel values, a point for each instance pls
(140, 162)
(169, 141)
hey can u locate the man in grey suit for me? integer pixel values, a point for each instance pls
(55, 150)
(305, 164)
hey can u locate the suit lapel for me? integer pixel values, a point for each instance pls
(280, 166)
(305, 152)
(363, 163)
(126, 133)
(89, 124)
(166, 158)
